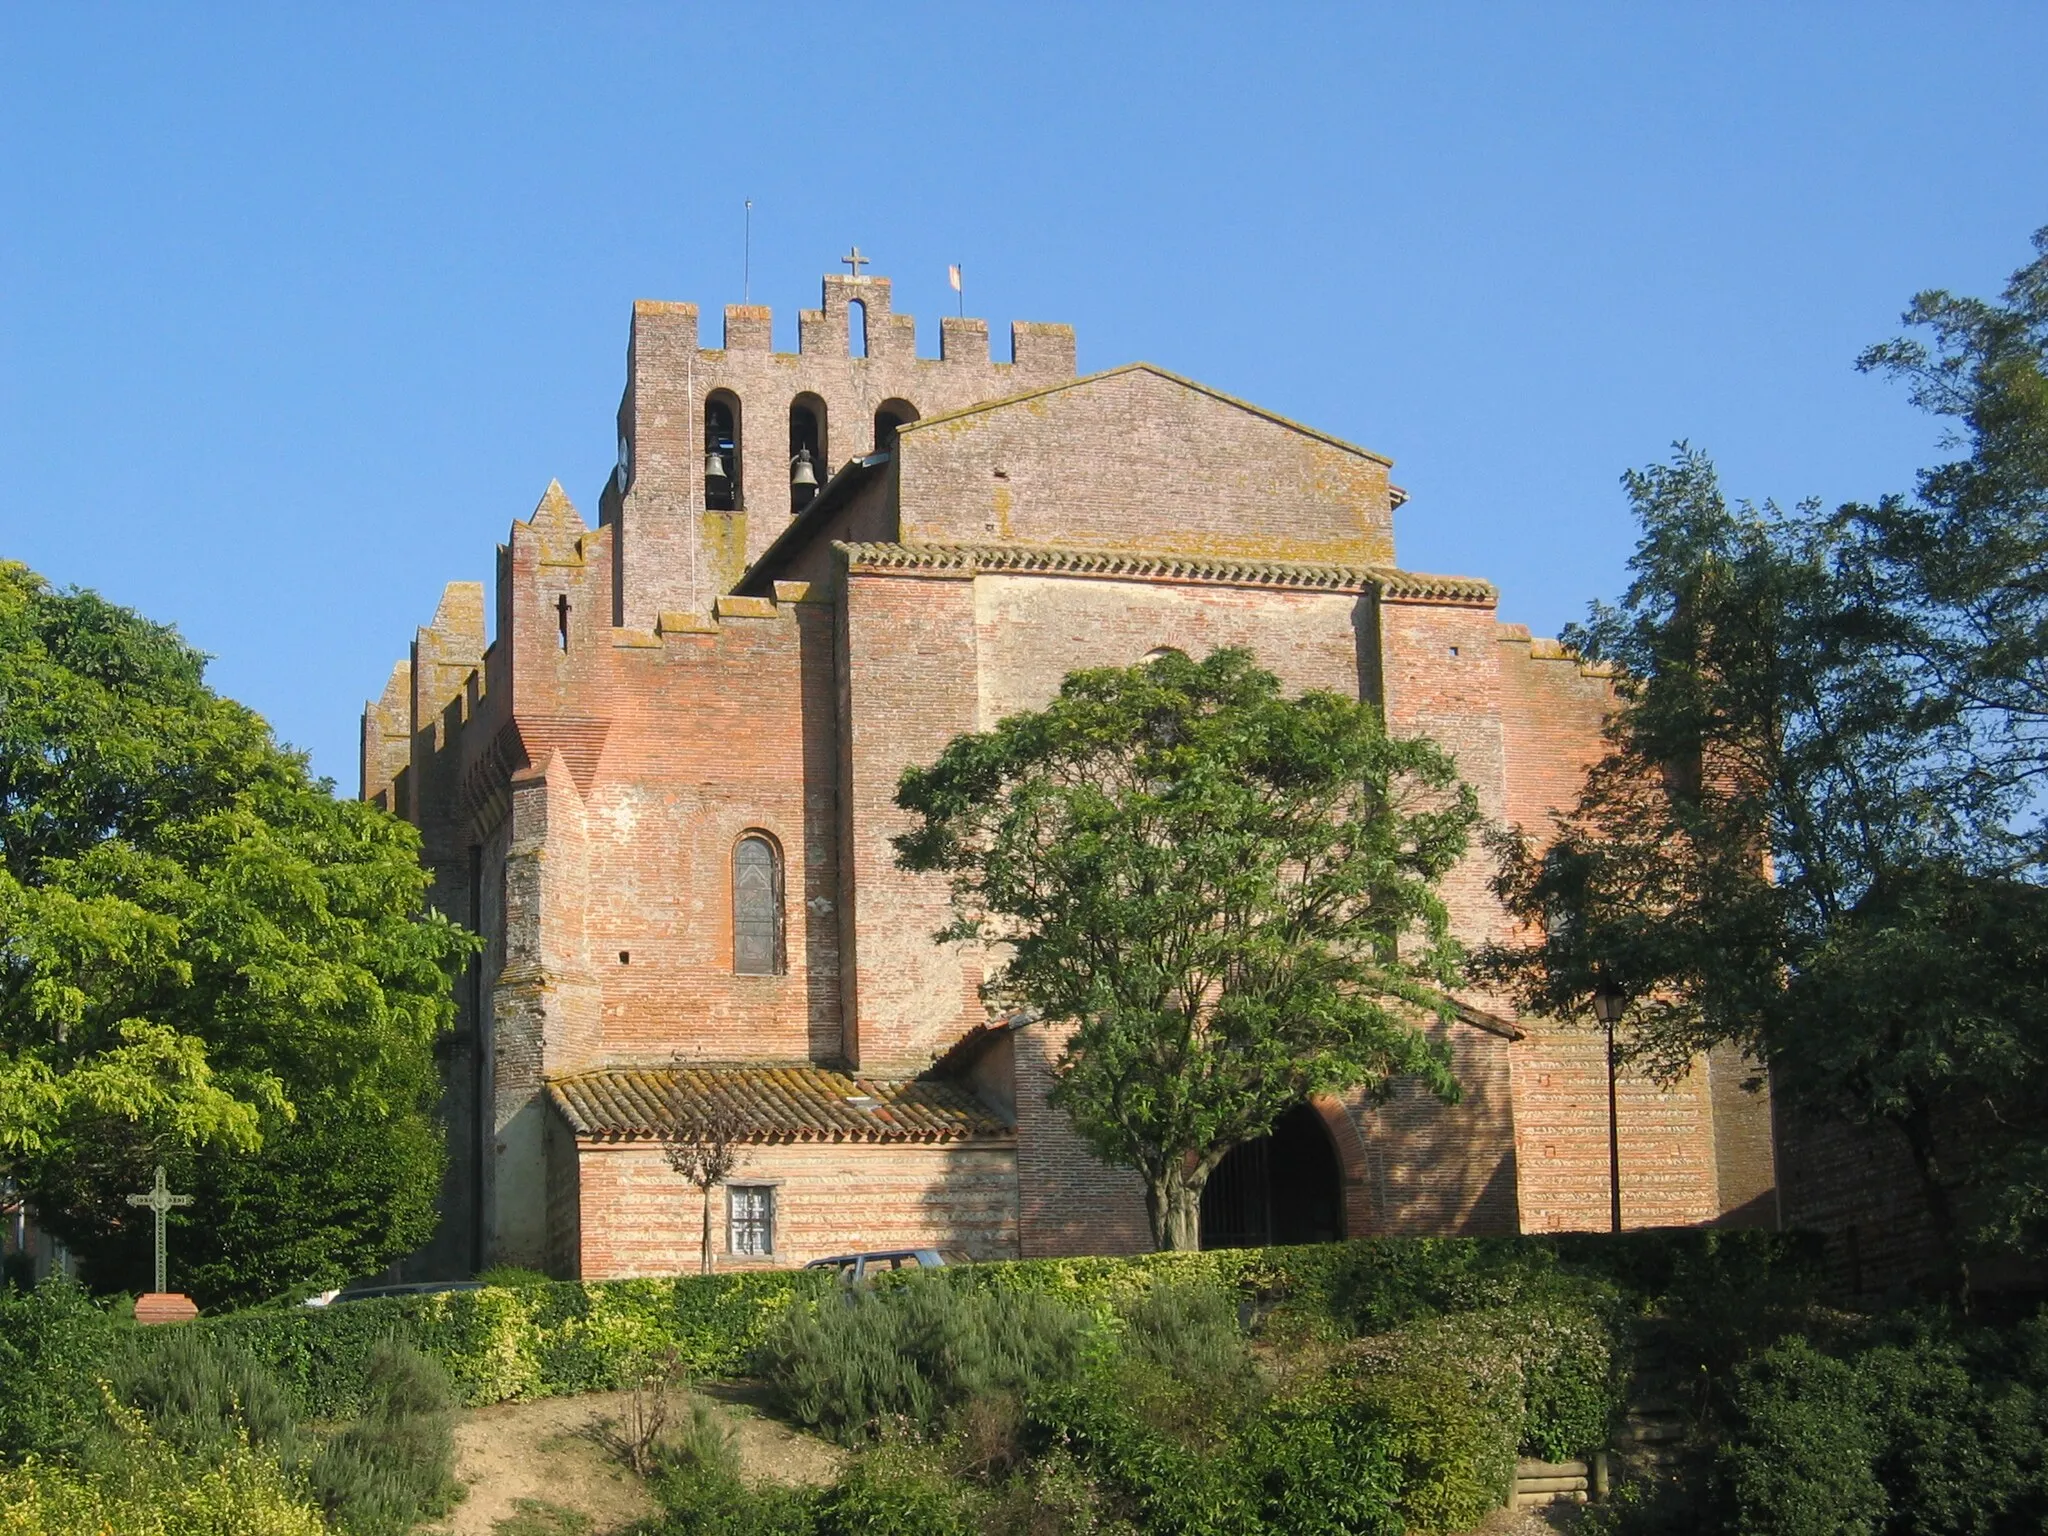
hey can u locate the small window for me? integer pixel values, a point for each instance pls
(752, 1227)
(856, 329)
(756, 907)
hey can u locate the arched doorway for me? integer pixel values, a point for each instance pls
(1282, 1188)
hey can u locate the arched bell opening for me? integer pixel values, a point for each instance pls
(890, 417)
(1286, 1187)
(806, 450)
(722, 452)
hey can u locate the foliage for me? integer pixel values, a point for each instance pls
(153, 1491)
(201, 1397)
(55, 1345)
(1819, 832)
(1231, 894)
(212, 963)
(380, 1475)
(1800, 1460)
(862, 1365)
(533, 1341)
(1449, 1404)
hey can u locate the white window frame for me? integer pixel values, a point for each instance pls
(766, 1192)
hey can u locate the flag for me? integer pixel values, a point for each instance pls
(953, 277)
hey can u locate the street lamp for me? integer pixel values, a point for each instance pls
(1608, 1003)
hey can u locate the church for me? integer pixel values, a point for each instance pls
(655, 771)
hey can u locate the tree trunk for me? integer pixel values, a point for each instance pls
(1173, 1199)
(706, 1254)
(1918, 1128)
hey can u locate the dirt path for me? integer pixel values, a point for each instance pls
(523, 1459)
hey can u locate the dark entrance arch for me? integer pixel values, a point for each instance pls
(1282, 1188)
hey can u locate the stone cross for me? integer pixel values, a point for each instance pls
(855, 260)
(160, 1200)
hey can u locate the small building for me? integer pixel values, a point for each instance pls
(659, 782)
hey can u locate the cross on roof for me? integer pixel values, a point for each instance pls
(855, 260)
(160, 1200)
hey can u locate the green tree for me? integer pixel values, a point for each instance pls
(206, 960)
(1230, 894)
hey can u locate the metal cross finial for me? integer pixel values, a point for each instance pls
(160, 1200)
(855, 260)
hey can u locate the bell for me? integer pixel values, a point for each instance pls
(801, 475)
(714, 465)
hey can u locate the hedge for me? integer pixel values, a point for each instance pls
(551, 1337)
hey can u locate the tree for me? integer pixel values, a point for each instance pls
(1231, 895)
(208, 961)
(701, 1140)
(1794, 845)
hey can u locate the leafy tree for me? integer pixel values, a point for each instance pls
(1965, 561)
(1817, 829)
(208, 961)
(1231, 894)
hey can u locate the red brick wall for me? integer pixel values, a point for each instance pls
(1138, 460)
(638, 1217)
(671, 555)
(910, 688)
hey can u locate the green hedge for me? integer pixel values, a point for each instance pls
(528, 1341)
(548, 1337)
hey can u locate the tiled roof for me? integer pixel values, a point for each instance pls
(1110, 564)
(778, 1104)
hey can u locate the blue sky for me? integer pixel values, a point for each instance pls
(301, 306)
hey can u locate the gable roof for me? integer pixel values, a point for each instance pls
(1155, 371)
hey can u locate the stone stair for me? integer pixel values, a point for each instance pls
(1552, 1482)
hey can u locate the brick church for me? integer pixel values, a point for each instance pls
(657, 775)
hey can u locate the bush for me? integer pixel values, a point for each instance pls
(153, 1491)
(1801, 1454)
(55, 1344)
(202, 1396)
(538, 1339)
(899, 1489)
(396, 1464)
(1448, 1403)
(1190, 1332)
(862, 1365)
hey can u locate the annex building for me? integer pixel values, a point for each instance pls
(655, 770)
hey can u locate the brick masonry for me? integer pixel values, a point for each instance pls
(677, 676)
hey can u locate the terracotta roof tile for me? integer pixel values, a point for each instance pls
(1110, 564)
(778, 1104)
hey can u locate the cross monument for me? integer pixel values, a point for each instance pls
(160, 1200)
(855, 260)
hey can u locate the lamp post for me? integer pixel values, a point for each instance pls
(1608, 1003)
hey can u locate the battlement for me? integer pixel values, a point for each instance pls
(720, 445)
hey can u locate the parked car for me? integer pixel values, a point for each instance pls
(377, 1292)
(854, 1268)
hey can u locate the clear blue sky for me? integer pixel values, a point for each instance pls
(301, 306)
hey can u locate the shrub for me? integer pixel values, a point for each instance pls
(1324, 1469)
(396, 1464)
(1189, 1331)
(203, 1395)
(54, 1346)
(898, 1489)
(860, 1365)
(153, 1491)
(1448, 1401)
(1164, 1484)
(1801, 1451)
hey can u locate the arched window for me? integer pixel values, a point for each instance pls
(806, 450)
(756, 906)
(722, 452)
(856, 328)
(889, 417)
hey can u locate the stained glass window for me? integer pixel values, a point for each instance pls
(756, 908)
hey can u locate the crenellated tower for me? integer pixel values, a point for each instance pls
(710, 437)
